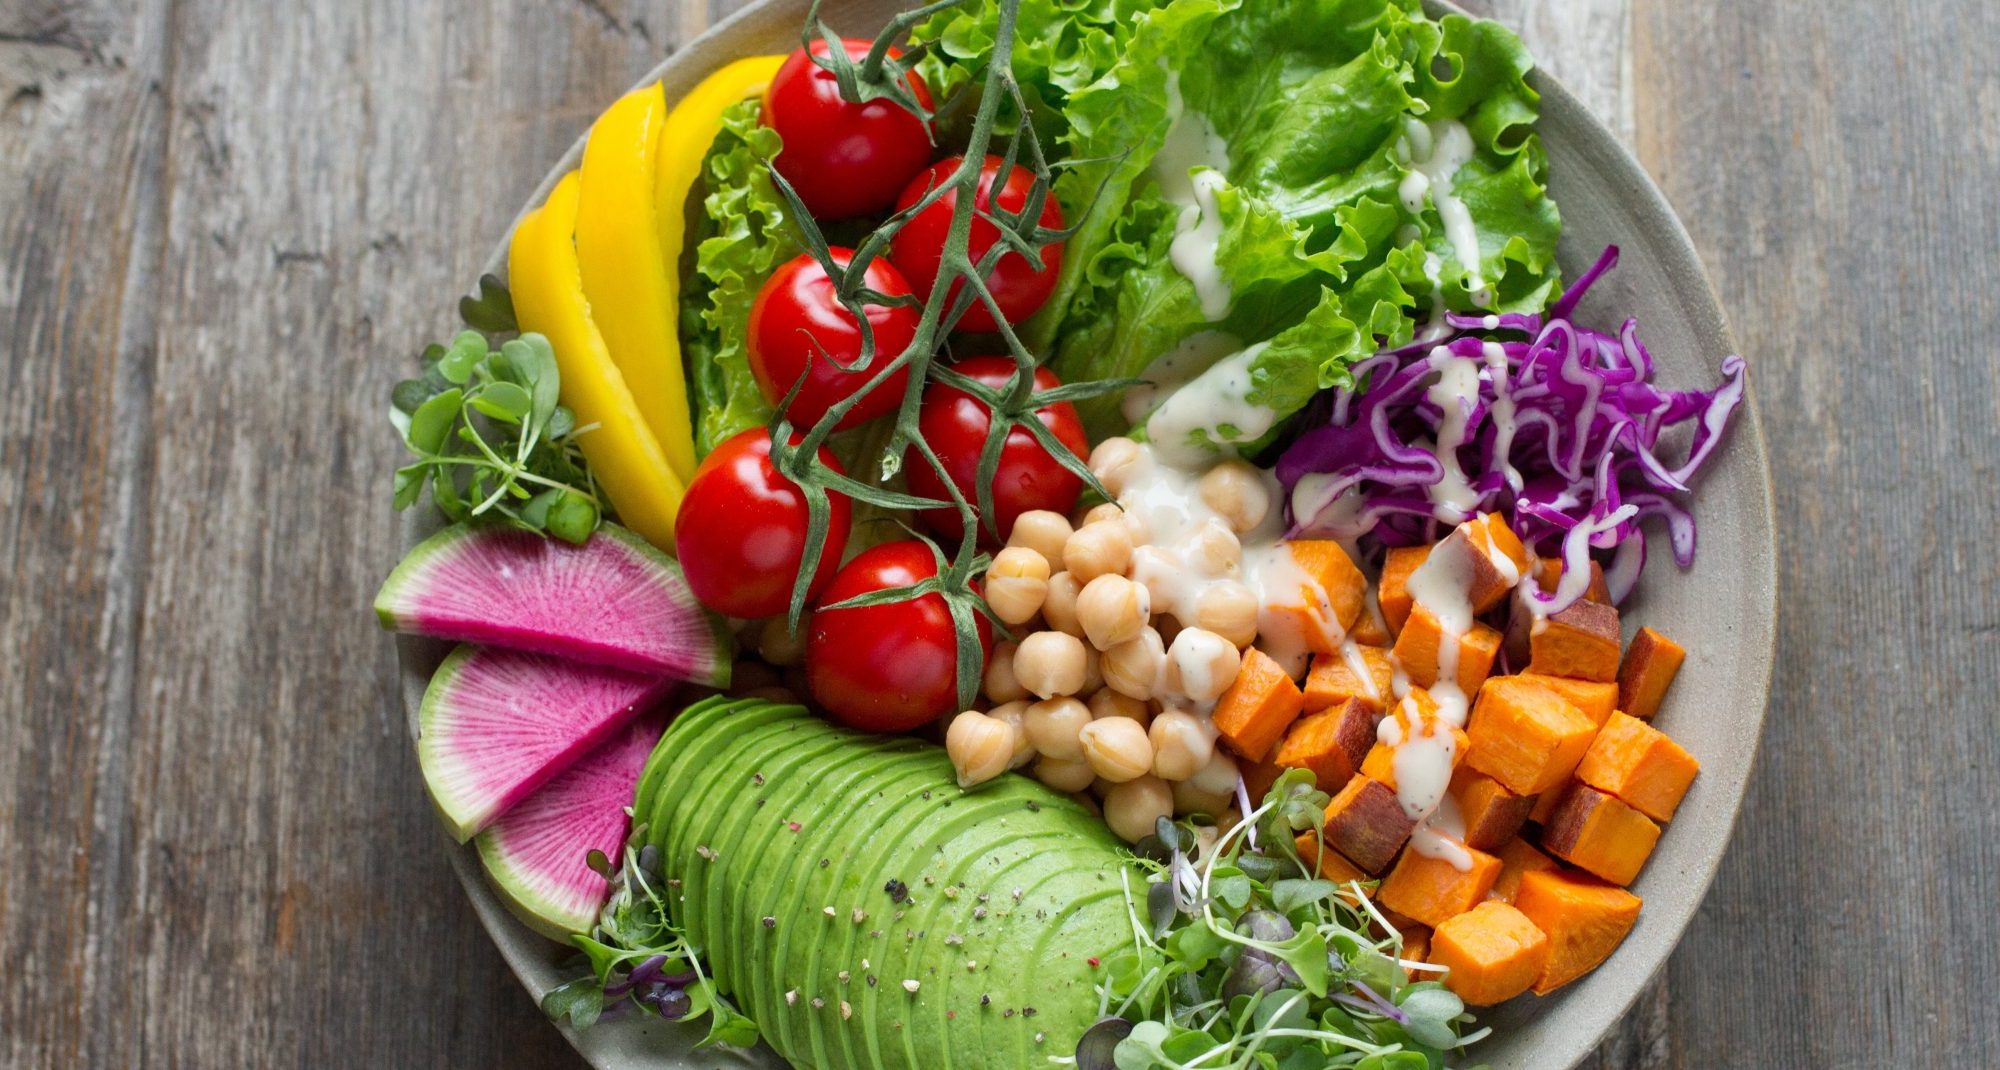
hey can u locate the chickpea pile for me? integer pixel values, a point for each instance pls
(1106, 689)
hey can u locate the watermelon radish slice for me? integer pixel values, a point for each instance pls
(537, 854)
(614, 601)
(497, 724)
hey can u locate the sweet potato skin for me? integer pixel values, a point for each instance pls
(1253, 715)
(1649, 668)
(1366, 823)
(1434, 891)
(1580, 642)
(1493, 815)
(1491, 557)
(1599, 834)
(1640, 765)
(1494, 953)
(1394, 590)
(1526, 736)
(1333, 680)
(1584, 918)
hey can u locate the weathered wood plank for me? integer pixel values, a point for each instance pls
(1836, 164)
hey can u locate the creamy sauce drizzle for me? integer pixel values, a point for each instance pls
(1176, 368)
(1211, 412)
(1190, 168)
(1435, 153)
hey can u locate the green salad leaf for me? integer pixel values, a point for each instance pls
(744, 232)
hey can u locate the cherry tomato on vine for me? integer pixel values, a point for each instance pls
(955, 424)
(892, 667)
(844, 159)
(745, 531)
(918, 248)
(799, 327)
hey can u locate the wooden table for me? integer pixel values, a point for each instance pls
(226, 227)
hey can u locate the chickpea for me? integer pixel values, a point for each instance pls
(1109, 703)
(1054, 725)
(980, 747)
(1182, 745)
(1229, 609)
(1093, 671)
(1112, 610)
(1134, 667)
(1098, 550)
(1015, 714)
(778, 645)
(1041, 531)
(1236, 490)
(1201, 665)
(1114, 462)
(1219, 776)
(1213, 549)
(1059, 607)
(1103, 513)
(1063, 775)
(1117, 747)
(1000, 683)
(1189, 799)
(1133, 808)
(1050, 664)
(1016, 584)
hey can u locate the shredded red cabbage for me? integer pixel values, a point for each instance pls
(1561, 437)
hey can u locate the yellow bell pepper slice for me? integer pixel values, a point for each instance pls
(547, 283)
(689, 131)
(626, 275)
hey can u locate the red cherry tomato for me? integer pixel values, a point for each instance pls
(743, 529)
(955, 424)
(799, 327)
(844, 159)
(918, 248)
(892, 667)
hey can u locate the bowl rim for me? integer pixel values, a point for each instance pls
(526, 952)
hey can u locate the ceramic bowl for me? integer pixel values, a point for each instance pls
(1723, 610)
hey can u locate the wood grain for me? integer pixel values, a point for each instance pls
(224, 228)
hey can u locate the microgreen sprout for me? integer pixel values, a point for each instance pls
(1243, 956)
(490, 435)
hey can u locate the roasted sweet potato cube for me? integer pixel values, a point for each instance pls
(1546, 802)
(1370, 628)
(1584, 918)
(1330, 596)
(1640, 765)
(1580, 642)
(1595, 699)
(1494, 953)
(1359, 672)
(1367, 823)
(1416, 948)
(1258, 778)
(1487, 553)
(1328, 863)
(1646, 673)
(1394, 590)
(1597, 833)
(1253, 715)
(1331, 742)
(1526, 736)
(1417, 650)
(1551, 574)
(1379, 764)
(1516, 858)
(1433, 890)
(1493, 815)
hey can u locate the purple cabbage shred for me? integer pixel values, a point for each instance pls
(1576, 470)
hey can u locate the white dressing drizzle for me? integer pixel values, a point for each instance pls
(1210, 413)
(1174, 369)
(1434, 154)
(1189, 168)
(1456, 392)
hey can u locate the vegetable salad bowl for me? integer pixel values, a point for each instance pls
(1723, 609)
